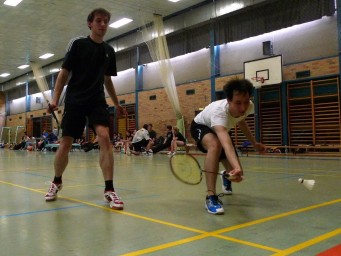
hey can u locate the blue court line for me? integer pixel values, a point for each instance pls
(41, 211)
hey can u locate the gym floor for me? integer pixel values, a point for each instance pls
(270, 213)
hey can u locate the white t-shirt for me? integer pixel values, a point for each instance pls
(140, 135)
(217, 113)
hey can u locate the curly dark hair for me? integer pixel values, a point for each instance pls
(237, 85)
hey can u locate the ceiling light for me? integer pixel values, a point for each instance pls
(120, 23)
(12, 2)
(5, 74)
(46, 56)
(54, 70)
(174, 1)
(23, 66)
(230, 8)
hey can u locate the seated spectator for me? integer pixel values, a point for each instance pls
(44, 134)
(81, 140)
(178, 140)
(118, 144)
(128, 142)
(51, 138)
(22, 143)
(43, 141)
(30, 143)
(167, 141)
(152, 133)
(91, 145)
(142, 140)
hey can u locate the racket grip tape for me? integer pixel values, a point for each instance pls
(230, 176)
(53, 114)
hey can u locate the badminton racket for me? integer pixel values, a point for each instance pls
(187, 169)
(43, 87)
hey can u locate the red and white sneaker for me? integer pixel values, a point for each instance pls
(114, 201)
(51, 194)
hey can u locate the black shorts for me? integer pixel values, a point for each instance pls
(198, 131)
(75, 119)
(138, 145)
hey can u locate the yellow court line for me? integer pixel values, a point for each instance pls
(192, 239)
(308, 243)
(204, 234)
(215, 233)
(167, 245)
(76, 186)
(19, 186)
(278, 216)
(263, 247)
(109, 209)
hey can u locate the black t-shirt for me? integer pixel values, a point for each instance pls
(180, 137)
(169, 138)
(89, 62)
(152, 134)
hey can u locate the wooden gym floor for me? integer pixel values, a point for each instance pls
(270, 213)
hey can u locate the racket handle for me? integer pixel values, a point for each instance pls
(231, 177)
(53, 114)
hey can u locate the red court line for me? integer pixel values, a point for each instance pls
(334, 251)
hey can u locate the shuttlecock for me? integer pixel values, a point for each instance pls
(309, 184)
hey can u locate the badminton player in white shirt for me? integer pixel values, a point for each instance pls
(210, 129)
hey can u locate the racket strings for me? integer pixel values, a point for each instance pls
(186, 169)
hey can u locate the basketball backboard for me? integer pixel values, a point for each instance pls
(264, 71)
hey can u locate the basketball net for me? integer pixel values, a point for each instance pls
(258, 81)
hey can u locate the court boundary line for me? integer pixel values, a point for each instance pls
(205, 234)
(308, 243)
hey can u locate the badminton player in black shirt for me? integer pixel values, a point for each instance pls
(91, 62)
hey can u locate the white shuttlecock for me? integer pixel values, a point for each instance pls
(309, 184)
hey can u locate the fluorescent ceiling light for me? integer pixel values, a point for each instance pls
(54, 70)
(12, 2)
(46, 56)
(230, 8)
(23, 66)
(120, 23)
(174, 1)
(5, 74)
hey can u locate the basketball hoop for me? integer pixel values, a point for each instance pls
(258, 81)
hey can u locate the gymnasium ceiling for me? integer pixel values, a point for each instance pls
(36, 27)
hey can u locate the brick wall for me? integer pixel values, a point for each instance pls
(323, 67)
(159, 111)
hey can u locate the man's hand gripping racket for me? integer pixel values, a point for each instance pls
(187, 170)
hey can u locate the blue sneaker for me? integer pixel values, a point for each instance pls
(227, 184)
(214, 205)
